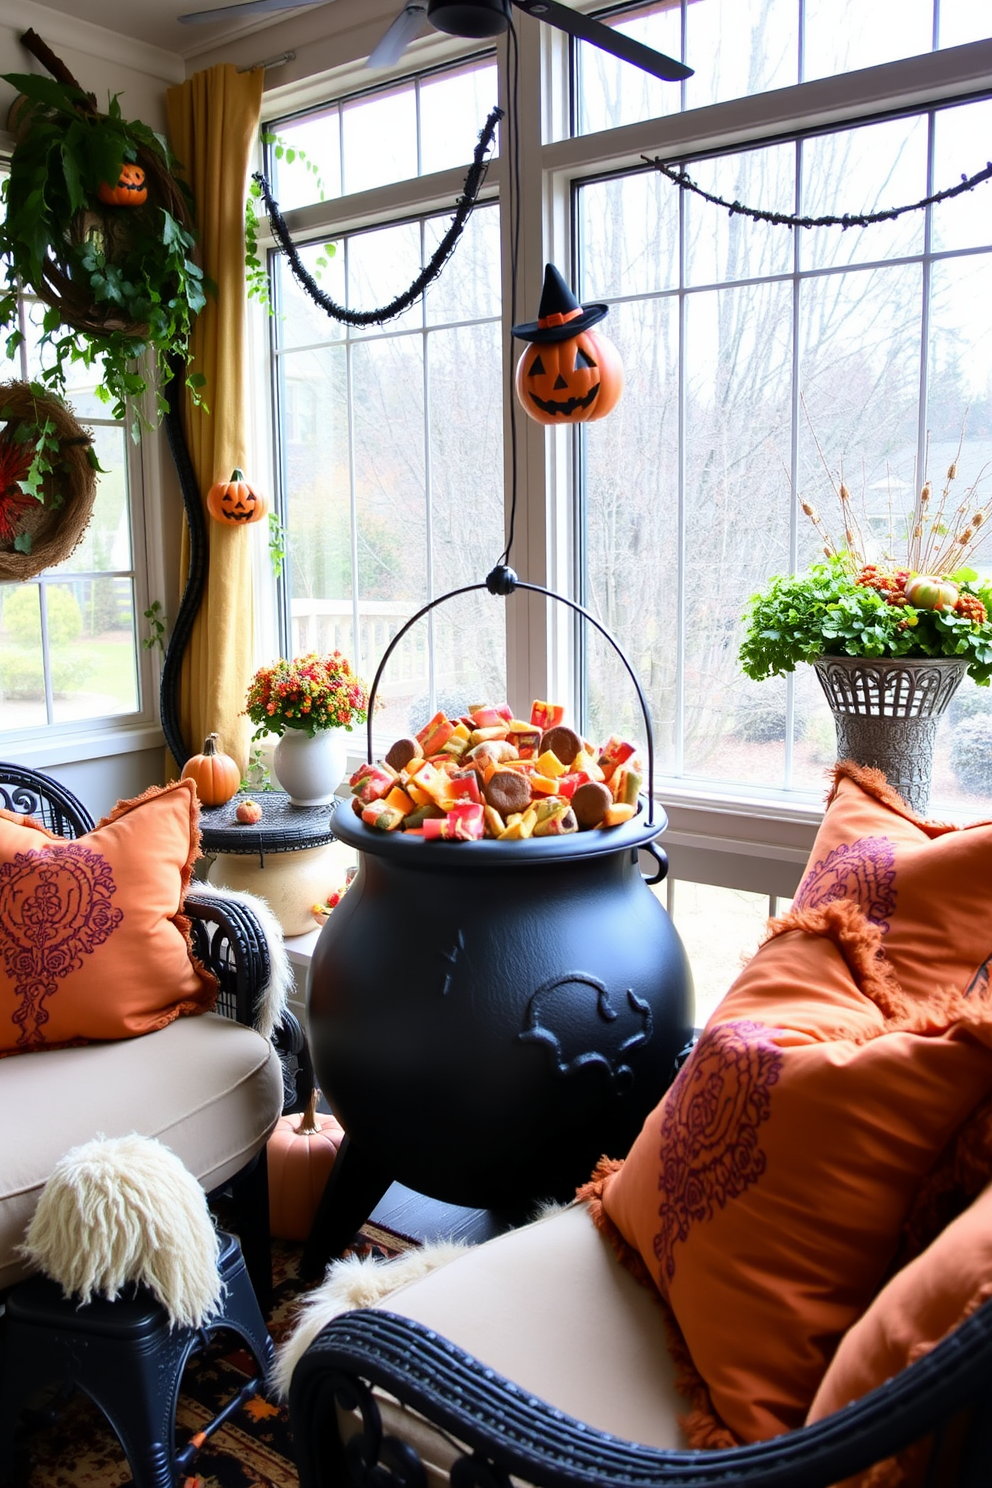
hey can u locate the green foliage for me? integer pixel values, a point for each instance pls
(256, 273)
(157, 622)
(823, 612)
(278, 538)
(256, 776)
(143, 275)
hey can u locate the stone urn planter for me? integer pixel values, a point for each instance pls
(886, 713)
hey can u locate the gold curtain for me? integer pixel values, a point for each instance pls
(213, 123)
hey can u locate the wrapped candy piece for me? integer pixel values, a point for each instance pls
(486, 716)
(613, 753)
(526, 737)
(465, 786)
(569, 784)
(625, 785)
(435, 734)
(384, 818)
(371, 782)
(466, 822)
(557, 822)
(546, 715)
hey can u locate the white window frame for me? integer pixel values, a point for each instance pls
(739, 838)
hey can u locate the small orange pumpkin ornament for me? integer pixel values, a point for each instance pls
(215, 775)
(570, 374)
(300, 1158)
(236, 502)
(130, 190)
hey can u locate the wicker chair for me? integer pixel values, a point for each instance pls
(426, 1387)
(219, 1133)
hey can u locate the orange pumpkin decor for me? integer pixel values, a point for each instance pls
(300, 1154)
(235, 502)
(215, 775)
(248, 813)
(130, 190)
(569, 374)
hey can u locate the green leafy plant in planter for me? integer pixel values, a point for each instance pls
(926, 602)
(99, 228)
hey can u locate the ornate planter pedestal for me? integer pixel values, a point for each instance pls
(886, 713)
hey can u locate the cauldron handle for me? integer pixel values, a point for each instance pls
(502, 580)
(661, 858)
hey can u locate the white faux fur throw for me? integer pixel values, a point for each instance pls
(125, 1209)
(272, 999)
(355, 1281)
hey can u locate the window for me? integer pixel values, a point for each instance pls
(747, 347)
(742, 343)
(390, 463)
(70, 659)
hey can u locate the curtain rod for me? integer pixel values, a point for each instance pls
(270, 62)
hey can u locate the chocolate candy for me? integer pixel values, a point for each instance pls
(402, 752)
(507, 791)
(563, 742)
(591, 803)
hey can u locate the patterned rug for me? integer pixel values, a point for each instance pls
(252, 1450)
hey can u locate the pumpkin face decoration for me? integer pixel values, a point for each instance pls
(570, 382)
(130, 190)
(236, 503)
(569, 374)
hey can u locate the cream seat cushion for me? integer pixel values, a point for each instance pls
(206, 1086)
(550, 1307)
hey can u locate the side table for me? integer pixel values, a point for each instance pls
(290, 858)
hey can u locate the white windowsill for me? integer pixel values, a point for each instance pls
(70, 749)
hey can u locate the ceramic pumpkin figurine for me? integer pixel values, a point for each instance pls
(130, 190)
(215, 775)
(569, 374)
(235, 503)
(300, 1155)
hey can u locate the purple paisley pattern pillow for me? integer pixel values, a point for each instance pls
(710, 1150)
(863, 871)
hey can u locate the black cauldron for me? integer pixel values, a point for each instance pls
(488, 1018)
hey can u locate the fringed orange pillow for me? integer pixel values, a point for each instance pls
(909, 1317)
(93, 941)
(766, 1193)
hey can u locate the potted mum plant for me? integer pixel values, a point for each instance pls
(890, 635)
(309, 703)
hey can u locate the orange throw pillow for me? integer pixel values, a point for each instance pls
(924, 884)
(766, 1194)
(920, 1305)
(93, 941)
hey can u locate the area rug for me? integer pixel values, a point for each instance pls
(77, 1449)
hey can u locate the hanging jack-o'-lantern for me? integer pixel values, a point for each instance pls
(236, 502)
(130, 190)
(569, 374)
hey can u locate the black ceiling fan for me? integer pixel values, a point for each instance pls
(476, 19)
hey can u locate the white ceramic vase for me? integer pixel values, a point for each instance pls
(309, 768)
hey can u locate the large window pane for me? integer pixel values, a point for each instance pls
(723, 246)
(631, 532)
(609, 92)
(467, 96)
(844, 35)
(738, 381)
(22, 662)
(106, 544)
(963, 221)
(379, 139)
(301, 320)
(864, 170)
(740, 47)
(628, 232)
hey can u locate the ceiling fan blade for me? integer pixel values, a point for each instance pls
(404, 29)
(247, 8)
(586, 29)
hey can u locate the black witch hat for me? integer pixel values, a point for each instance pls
(559, 315)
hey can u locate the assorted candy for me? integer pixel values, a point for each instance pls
(322, 911)
(489, 774)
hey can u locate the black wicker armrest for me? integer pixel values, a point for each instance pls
(507, 1431)
(230, 941)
